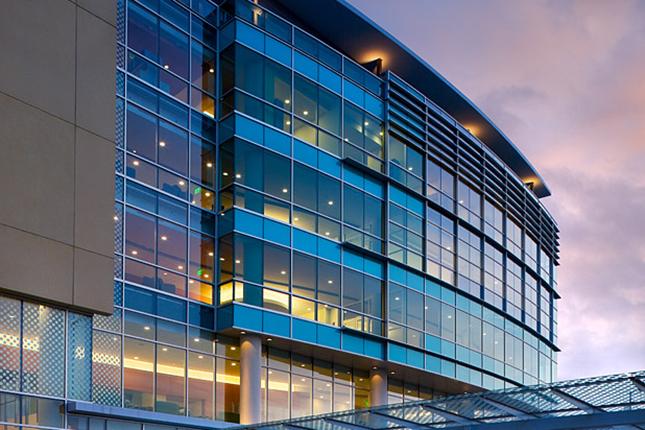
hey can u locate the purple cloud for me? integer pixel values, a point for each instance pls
(564, 80)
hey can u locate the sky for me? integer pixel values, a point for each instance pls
(565, 80)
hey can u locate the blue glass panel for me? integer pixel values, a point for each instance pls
(353, 93)
(415, 358)
(276, 232)
(488, 364)
(176, 308)
(330, 79)
(433, 289)
(397, 274)
(397, 196)
(463, 374)
(305, 65)
(415, 205)
(448, 368)
(463, 354)
(138, 299)
(305, 153)
(202, 316)
(374, 268)
(448, 296)
(304, 330)
(249, 318)
(475, 358)
(352, 343)
(329, 250)
(374, 187)
(433, 364)
(374, 348)
(353, 177)
(415, 281)
(447, 348)
(397, 353)
(225, 317)
(329, 164)
(476, 309)
(278, 141)
(352, 260)
(304, 241)
(250, 36)
(248, 223)
(249, 130)
(373, 105)
(275, 324)
(328, 336)
(278, 51)
(433, 343)
(463, 303)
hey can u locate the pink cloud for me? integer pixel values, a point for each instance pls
(564, 80)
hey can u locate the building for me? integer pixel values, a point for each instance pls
(293, 215)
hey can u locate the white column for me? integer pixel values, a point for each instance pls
(250, 371)
(378, 387)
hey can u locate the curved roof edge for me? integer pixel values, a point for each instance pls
(346, 28)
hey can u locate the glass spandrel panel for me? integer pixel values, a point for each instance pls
(9, 344)
(43, 352)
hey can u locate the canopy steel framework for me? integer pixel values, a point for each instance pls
(616, 401)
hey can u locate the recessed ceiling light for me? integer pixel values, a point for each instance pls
(162, 143)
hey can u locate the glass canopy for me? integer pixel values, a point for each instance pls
(616, 401)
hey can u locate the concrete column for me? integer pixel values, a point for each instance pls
(378, 387)
(250, 373)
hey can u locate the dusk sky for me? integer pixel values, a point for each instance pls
(565, 80)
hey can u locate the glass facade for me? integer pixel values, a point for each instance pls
(266, 183)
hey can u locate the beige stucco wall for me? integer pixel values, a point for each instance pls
(57, 98)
